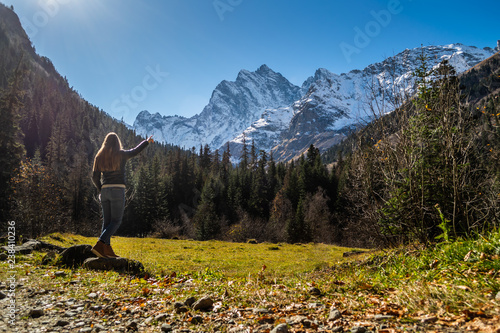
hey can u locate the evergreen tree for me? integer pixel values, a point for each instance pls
(244, 154)
(297, 229)
(206, 219)
(11, 147)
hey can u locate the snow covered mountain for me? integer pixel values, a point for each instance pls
(266, 108)
(233, 107)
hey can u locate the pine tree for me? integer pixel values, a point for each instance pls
(297, 229)
(206, 219)
(11, 147)
(244, 154)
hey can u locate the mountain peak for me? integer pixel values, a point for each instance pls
(322, 73)
(285, 118)
(264, 69)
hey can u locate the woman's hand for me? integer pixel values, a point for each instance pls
(150, 139)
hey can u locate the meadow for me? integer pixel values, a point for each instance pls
(453, 286)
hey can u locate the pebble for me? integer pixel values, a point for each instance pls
(61, 322)
(85, 330)
(334, 314)
(281, 328)
(36, 313)
(92, 295)
(166, 328)
(382, 317)
(69, 314)
(205, 303)
(60, 274)
(132, 325)
(315, 291)
(161, 317)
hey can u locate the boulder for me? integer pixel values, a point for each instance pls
(122, 265)
(203, 304)
(33, 245)
(76, 255)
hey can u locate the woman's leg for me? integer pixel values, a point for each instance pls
(106, 209)
(115, 205)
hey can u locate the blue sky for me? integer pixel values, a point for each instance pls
(167, 56)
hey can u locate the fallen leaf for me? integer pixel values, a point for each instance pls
(467, 256)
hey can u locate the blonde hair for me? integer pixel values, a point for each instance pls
(108, 157)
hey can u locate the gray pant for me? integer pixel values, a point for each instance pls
(113, 205)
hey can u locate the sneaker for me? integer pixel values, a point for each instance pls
(99, 249)
(108, 251)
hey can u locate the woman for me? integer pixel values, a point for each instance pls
(109, 178)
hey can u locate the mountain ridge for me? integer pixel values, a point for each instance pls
(282, 118)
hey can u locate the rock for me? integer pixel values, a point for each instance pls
(427, 320)
(196, 320)
(62, 322)
(99, 328)
(69, 314)
(85, 330)
(2, 295)
(315, 305)
(182, 309)
(3, 256)
(281, 328)
(497, 297)
(33, 245)
(358, 329)
(190, 301)
(60, 274)
(122, 265)
(262, 328)
(298, 319)
(161, 317)
(76, 255)
(261, 311)
(382, 317)
(26, 248)
(36, 313)
(334, 314)
(203, 304)
(241, 329)
(92, 295)
(132, 326)
(166, 328)
(315, 291)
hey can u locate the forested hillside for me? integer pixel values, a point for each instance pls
(52, 134)
(428, 169)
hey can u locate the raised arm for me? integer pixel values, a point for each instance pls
(140, 147)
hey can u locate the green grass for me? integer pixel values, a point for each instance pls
(163, 256)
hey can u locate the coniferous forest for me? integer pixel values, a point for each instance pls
(429, 170)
